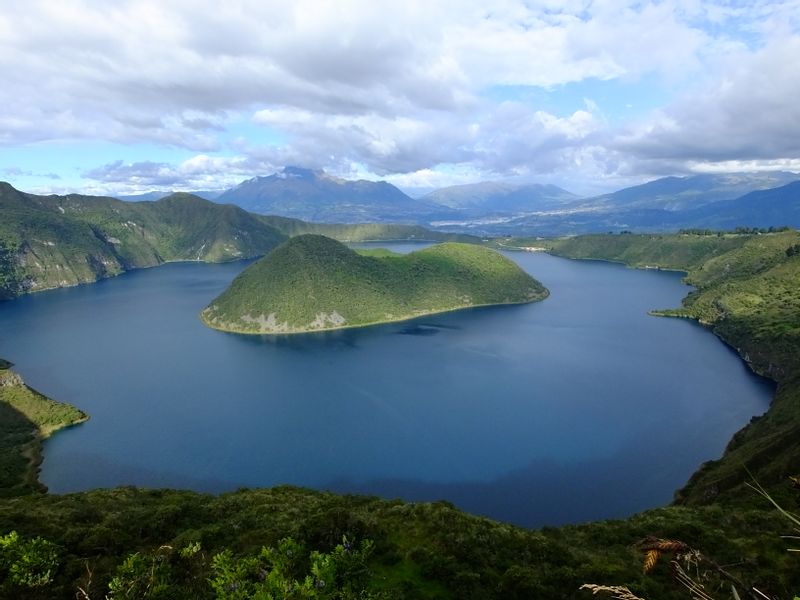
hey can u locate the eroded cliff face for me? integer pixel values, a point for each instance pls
(43, 262)
(45, 265)
(9, 379)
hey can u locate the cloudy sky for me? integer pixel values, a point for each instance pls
(127, 96)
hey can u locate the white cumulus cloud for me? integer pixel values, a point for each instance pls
(403, 87)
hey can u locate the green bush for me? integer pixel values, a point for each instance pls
(27, 563)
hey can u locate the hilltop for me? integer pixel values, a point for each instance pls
(313, 283)
(158, 195)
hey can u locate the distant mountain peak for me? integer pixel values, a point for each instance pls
(692, 191)
(314, 195)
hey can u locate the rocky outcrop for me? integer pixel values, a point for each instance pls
(10, 379)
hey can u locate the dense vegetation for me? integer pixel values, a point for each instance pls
(679, 252)
(419, 551)
(11, 281)
(26, 418)
(313, 283)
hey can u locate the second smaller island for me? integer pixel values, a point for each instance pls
(313, 283)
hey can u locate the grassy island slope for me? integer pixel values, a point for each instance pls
(26, 418)
(313, 283)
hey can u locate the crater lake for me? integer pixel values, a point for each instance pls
(575, 408)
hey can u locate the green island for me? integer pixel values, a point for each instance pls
(314, 283)
(287, 542)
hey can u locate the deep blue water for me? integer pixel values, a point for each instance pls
(579, 407)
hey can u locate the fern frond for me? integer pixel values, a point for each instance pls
(650, 559)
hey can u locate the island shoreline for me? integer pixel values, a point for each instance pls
(376, 323)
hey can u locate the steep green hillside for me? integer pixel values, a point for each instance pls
(313, 283)
(26, 418)
(197, 229)
(57, 241)
(748, 293)
(679, 252)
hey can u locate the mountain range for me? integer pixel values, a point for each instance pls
(497, 198)
(761, 208)
(55, 241)
(687, 193)
(493, 208)
(667, 204)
